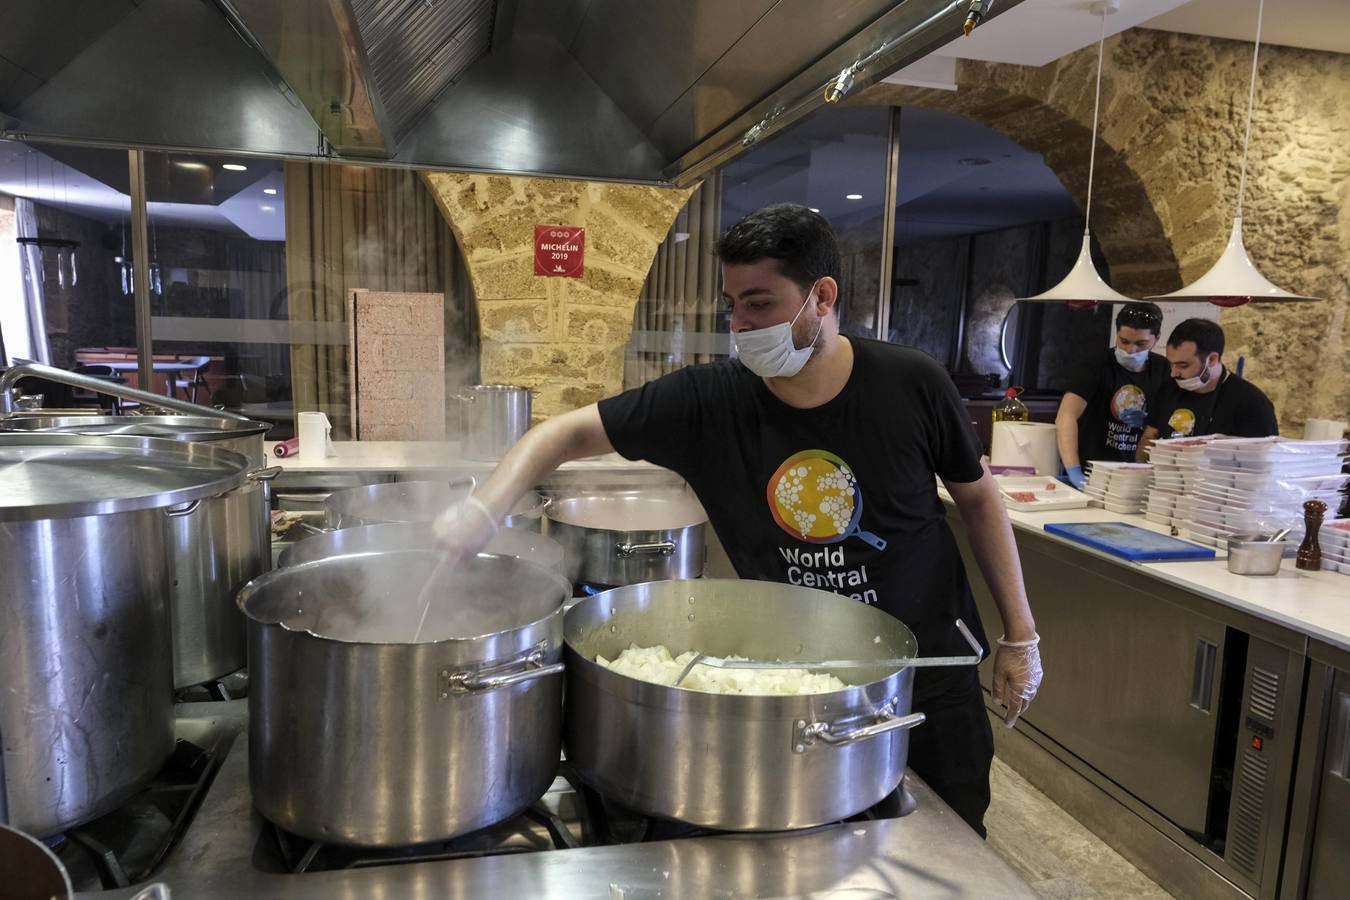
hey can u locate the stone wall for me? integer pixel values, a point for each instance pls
(563, 337)
(1167, 175)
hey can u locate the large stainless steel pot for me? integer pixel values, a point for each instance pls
(86, 675)
(492, 417)
(417, 502)
(735, 762)
(526, 545)
(359, 736)
(213, 549)
(627, 537)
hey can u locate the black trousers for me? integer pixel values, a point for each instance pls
(953, 750)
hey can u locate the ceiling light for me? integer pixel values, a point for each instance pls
(853, 196)
(186, 164)
(235, 167)
(270, 191)
(266, 208)
(1233, 280)
(1083, 287)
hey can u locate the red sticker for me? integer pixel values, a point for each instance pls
(559, 251)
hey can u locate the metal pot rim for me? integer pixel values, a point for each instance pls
(218, 471)
(174, 428)
(248, 591)
(855, 699)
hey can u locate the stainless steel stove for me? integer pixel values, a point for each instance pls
(571, 844)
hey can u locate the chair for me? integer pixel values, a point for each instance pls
(198, 366)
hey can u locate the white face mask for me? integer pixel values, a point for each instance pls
(770, 352)
(1134, 362)
(1195, 382)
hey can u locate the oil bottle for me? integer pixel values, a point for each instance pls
(1010, 409)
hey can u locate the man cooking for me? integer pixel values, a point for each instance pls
(810, 442)
(1204, 397)
(1102, 414)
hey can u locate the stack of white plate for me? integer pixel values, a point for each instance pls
(1259, 486)
(1177, 466)
(1119, 486)
(1334, 539)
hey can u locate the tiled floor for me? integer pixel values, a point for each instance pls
(1060, 858)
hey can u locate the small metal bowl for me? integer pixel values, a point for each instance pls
(1251, 554)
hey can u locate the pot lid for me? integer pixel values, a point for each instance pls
(180, 428)
(48, 476)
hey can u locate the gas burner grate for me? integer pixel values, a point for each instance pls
(129, 844)
(298, 855)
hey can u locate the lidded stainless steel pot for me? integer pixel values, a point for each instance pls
(213, 549)
(86, 675)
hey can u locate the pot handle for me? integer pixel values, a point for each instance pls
(805, 734)
(493, 677)
(187, 509)
(656, 548)
(265, 474)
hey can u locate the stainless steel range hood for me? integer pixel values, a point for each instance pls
(603, 89)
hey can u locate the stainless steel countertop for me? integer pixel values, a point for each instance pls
(927, 854)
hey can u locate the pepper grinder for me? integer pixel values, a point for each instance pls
(1310, 552)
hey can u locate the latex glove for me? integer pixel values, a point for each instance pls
(1134, 418)
(465, 528)
(1017, 676)
(1076, 477)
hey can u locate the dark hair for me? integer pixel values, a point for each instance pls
(1146, 316)
(1207, 335)
(799, 239)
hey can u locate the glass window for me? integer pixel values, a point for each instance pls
(980, 221)
(254, 264)
(834, 161)
(65, 259)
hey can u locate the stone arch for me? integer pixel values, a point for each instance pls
(1125, 222)
(1169, 160)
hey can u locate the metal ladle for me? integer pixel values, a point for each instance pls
(721, 662)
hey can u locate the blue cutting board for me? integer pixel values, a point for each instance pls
(1129, 541)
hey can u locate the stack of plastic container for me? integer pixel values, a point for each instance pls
(1335, 542)
(1119, 486)
(1259, 485)
(1177, 466)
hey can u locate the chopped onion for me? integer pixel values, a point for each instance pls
(655, 664)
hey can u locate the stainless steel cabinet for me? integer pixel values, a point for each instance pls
(1329, 869)
(1317, 864)
(1132, 679)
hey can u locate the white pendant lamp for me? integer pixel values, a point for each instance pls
(1083, 287)
(1233, 280)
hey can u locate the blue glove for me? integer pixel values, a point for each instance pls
(1134, 418)
(1075, 476)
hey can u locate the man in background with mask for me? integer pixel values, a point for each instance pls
(814, 455)
(1102, 414)
(1203, 396)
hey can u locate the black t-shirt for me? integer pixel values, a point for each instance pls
(1110, 389)
(1236, 408)
(812, 496)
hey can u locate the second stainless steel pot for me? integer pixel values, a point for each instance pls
(616, 538)
(416, 502)
(214, 548)
(736, 762)
(359, 736)
(493, 417)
